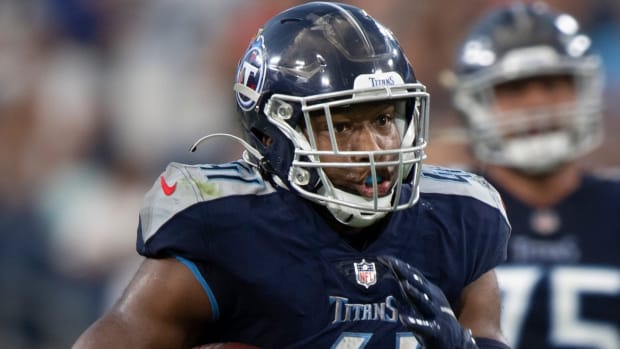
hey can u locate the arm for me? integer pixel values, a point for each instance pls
(480, 307)
(164, 306)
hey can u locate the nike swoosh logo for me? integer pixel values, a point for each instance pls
(167, 189)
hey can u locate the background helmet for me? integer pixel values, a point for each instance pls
(518, 42)
(314, 57)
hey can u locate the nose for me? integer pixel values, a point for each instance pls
(365, 139)
(536, 94)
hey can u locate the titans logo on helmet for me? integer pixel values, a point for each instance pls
(250, 76)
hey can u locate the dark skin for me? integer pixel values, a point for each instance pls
(541, 190)
(362, 127)
(164, 306)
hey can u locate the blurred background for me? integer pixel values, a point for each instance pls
(97, 96)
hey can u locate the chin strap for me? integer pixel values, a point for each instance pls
(356, 217)
(539, 153)
(250, 155)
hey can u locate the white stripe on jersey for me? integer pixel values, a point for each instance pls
(450, 181)
(181, 186)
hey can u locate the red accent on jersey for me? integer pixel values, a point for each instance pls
(167, 189)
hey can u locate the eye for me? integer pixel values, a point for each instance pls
(340, 127)
(384, 119)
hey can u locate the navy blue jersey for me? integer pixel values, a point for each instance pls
(278, 276)
(561, 285)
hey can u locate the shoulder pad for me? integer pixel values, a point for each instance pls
(181, 186)
(451, 181)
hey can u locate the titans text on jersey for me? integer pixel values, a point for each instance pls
(345, 311)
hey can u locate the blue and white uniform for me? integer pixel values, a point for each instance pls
(561, 283)
(278, 276)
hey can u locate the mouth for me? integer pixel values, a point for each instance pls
(360, 181)
(532, 131)
(384, 186)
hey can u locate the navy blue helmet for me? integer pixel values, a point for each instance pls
(518, 42)
(318, 56)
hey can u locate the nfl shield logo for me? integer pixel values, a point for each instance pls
(365, 273)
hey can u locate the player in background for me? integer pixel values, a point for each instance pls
(530, 90)
(329, 232)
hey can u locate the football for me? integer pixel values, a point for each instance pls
(228, 345)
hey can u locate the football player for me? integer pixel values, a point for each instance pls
(328, 232)
(529, 87)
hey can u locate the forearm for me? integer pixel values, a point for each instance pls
(125, 331)
(107, 332)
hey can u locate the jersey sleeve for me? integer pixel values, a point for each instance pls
(491, 229)
(492, 232)
(169, 211)
(179, 215)
(476, 217)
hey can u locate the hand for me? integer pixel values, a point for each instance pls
(426, 311)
